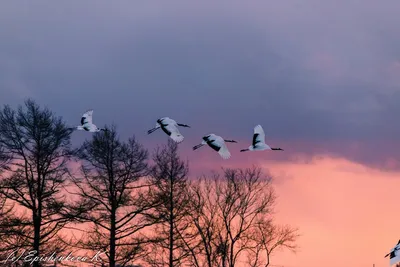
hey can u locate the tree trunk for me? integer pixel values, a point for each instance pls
(208, 256)
(267, 263)
(232, 247)
(36, 238)
(112, 237)
(171, 228)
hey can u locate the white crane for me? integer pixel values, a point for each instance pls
(217, 143)
(170, 127)
(394, 254)
(87, 124)
(259, 141)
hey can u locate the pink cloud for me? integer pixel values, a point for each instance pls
(345, 211)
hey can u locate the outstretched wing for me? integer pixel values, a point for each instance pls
(87, 117)
(174, 133)
(224, 153)
(394, 257)
(223, 149)
(172, 130)
(259, 135)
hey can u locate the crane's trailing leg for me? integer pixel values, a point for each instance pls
(198, 146)
(152, 130)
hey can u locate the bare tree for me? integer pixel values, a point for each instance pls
(243, 196)
(169, 174)
(37, 143)
(112, 196)
(229, 215)
(269, 237)
(205, 223)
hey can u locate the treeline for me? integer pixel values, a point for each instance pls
(135, 207)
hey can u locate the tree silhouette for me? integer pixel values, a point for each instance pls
(169, 176)
(269, 237)
(230, 215)
(205, 222)
(36, 144)
(112, 196)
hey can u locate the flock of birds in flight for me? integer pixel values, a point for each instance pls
(170, 127)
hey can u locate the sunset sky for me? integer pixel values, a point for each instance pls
(321, 77)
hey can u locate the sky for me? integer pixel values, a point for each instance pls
(321, 77)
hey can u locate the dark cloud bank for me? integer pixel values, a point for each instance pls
(321, 77)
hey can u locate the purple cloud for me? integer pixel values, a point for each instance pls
(311, 72)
